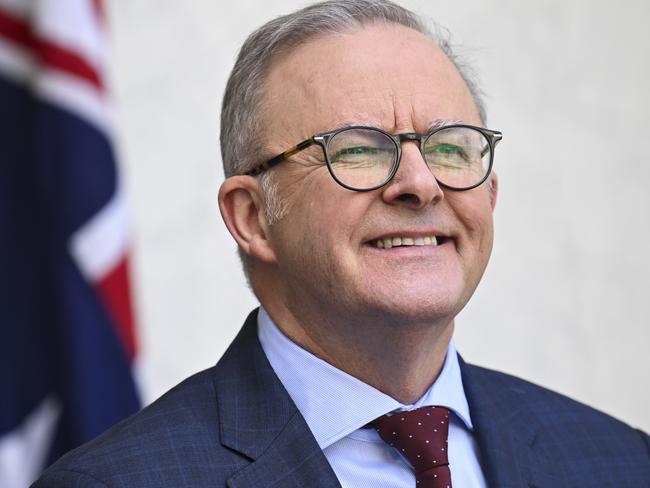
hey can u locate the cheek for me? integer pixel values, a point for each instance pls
(319, 225)
(475, 217)
(480, 231)
(325, 209)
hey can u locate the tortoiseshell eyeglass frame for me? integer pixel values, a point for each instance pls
(322, 139)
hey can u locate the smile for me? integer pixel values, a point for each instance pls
(389, 242)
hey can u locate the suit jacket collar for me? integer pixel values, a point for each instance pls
(507, 431)
(259, 420)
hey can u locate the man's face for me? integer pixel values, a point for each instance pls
(394, 78)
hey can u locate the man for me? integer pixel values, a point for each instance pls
(360, 192)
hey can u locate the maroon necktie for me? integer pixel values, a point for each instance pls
(421, 437)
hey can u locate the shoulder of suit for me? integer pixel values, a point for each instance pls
(552, 409)
(178, 429)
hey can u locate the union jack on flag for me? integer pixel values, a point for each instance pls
(67, 342)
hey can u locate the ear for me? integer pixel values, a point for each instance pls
(494, 189)
(241, 205)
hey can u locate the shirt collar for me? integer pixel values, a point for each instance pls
(334, 403)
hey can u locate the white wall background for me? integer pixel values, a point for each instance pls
(566, 298)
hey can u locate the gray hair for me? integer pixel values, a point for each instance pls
(242, 107)
(242, 110)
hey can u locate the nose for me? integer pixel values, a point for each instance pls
(413, 185)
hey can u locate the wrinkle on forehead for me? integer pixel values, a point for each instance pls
(385, 76)
(432, 125)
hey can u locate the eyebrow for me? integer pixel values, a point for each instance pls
(437, 123)
(346, 124)
(434, 124)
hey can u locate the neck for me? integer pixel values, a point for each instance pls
(399, 357)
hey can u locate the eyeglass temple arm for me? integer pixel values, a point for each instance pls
(495, 138)
(281, 157)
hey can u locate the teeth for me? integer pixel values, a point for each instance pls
(389, 242)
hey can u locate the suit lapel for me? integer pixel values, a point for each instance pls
(507, 432)
(259, 420)
(292, 460)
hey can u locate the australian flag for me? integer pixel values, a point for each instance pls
(67, 346)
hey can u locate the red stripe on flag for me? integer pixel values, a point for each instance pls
(114, 290)
(48, 53)
(14, 29)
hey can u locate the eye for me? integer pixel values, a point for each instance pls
(361, 156)
(352, 151)
(444, 149)
(447, 156)
(357, 151)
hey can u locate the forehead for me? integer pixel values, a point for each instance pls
(383, 74)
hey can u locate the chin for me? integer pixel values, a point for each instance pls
(406, 308)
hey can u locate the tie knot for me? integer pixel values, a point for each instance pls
(420, 435)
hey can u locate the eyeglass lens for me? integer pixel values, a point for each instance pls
(363, 158)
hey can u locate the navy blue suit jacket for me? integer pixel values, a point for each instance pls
(235, 425)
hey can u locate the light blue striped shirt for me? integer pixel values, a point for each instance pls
(336, 407)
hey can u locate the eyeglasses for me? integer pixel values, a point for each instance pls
(363, 158)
